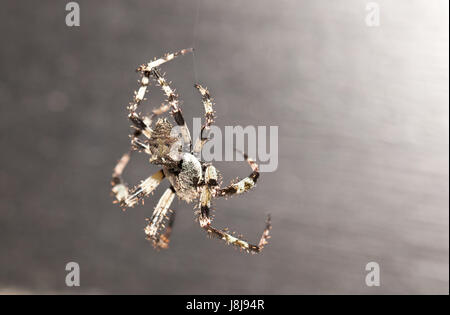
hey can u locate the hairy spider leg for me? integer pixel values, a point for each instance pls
(167, 57)
(239, 242)
(152, 68)
(164, 239)
(243, 185)
(156, 223)
(129, 197)
(172, 99)
(141, 123)
(205, 220)
(209, 119)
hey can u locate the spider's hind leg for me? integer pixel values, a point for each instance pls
(238, 242)
(205, 219)
(205, 223)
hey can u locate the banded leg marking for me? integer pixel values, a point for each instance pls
(242, 244)
(209, 119)
(243, 185)
(167, 57)
(172, 99)
(156, 223)
(164, 239)
(126, 197)
(142, 124)
(205, 223)
(119, 189)
(205, 219)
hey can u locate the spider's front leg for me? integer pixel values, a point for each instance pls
(167, 57)
(151, 68)
(172, 99)
(143, 124)
(126, 197)
(205, 220)
(156, 223)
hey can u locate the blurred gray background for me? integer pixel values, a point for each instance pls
(363, 122)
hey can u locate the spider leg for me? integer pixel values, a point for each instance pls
(205, 223)
(141, 123)
(164, 239)
(243, 185)
(209, 119)
(152, 68)
(173, 101)
(125, 196)
(205, 220)
(156, 222)
(167, 57)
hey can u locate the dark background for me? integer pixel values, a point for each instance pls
(363, 145)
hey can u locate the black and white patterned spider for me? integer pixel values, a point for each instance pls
(190, 178)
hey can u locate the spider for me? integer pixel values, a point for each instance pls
(190, 178)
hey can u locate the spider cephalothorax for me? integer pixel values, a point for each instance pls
(191, 179)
